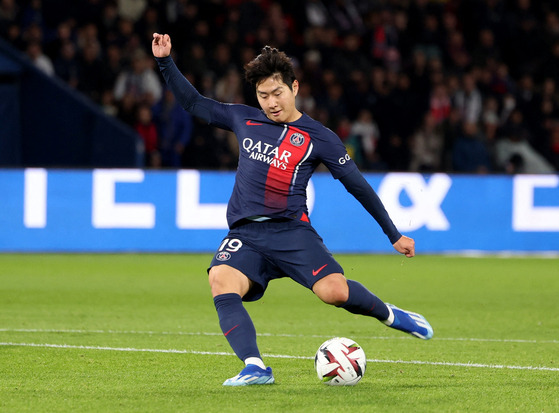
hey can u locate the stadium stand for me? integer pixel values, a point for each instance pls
(469, 65)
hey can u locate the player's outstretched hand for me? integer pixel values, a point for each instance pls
(161, 45)
(405, 245)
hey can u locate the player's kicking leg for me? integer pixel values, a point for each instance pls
(335, 288)
(362, 301)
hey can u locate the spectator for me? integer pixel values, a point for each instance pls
(468, 99)
(108, 26)
(366, 130)
(139, 81)
(131, 9)
(456, 51)
(112, 66)
(221, 59)
(9, 11)
(427, 146)
(395, 153)
(440, 104)
(197, 61)
(64, 35)
(146, 128)
(305, 100)
(350, 56)
(40, 60)
(385, 41)
(32, 13)
(91, 71)
(431, 36)
(527, 99)
(126, 109)
(66, 65)
(229, 88)
(420, 84)
(108, 103)
(501, 82)
(334, 103)
(486, 50)
(470, 153)
(490, 119)
(174, 129)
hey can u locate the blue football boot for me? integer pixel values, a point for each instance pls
(250, 375)
(408, 322)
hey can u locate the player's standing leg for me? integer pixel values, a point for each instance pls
(228, 287)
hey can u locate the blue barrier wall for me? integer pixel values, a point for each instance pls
(44, 122)
(184, 211)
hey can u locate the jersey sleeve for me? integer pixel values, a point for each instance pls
(357, 186)
(213, 112)
(333, 154)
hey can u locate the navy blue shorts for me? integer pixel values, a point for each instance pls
(264, 251)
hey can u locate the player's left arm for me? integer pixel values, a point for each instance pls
(334, 155)
(357, 186)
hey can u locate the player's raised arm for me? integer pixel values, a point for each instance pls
(185, 93)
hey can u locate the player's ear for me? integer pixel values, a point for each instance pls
(295, 87)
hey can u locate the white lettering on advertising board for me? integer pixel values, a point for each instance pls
(525, 215)
(107, 213)
(426, 199)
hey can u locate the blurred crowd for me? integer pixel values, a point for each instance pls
(467, 86)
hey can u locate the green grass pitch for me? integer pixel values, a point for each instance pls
(139, 333)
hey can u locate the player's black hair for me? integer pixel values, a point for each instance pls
(270, 62)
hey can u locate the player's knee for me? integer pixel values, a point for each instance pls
(224, 279)
(217, 280)
(332, 289)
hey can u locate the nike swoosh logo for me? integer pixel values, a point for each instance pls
(251, 123)
(315, 272)
(225, 334)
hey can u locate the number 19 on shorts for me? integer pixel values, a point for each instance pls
(231, 245)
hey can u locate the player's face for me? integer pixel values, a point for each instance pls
(277, 99)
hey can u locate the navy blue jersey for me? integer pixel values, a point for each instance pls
(276, 160)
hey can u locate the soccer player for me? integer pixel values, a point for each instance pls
(270, 232)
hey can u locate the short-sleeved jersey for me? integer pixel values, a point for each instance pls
(276, 161)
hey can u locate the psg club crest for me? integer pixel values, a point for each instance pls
(223, 256)
(297, 139)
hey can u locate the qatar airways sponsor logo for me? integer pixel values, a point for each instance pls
(264, 152)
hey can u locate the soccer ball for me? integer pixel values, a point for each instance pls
(340, 361)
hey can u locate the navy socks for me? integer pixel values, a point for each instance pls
(236, 325)
(362, 301)
(239, 330)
